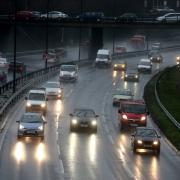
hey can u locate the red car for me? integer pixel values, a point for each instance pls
(120, 49)
(20, 67)
(132, 113)
(24, 15)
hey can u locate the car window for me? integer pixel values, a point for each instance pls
(133, 108)
(84, 113)
(52, 85)
(146, 133)
(68, 68)
(37, 96)
(31, 119)
(102, 56)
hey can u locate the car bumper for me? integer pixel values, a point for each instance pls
(133, 79)
(133, 122)
(35, 109)
(147, 146)
(30, 133)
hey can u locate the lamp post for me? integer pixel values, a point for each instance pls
(47, 33)
(15, 34)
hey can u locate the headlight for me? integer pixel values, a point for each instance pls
(136, 76)
(74, 121)
(43, 105)
(155, 142)
(28, 104)
(40, 128)
(178, 58)
(73, 73)
(151, 58)
(94, 123)
(177, 62)
(126, 75)
(158, 58)
(124, 116)
(143, 118)
(115, 65)
(59, 91)
(123, 66)
(139, 142)
(21, 126)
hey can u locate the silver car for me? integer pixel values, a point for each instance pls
(31, 125)
(169, 18)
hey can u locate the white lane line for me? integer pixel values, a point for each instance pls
(106, 129)
(59, 152)
(111, 139)
(62, 166)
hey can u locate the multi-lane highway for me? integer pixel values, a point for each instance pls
(106, 155)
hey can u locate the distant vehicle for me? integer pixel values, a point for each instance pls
(131, 75)
(156, 46)
(155, 12)
(60, 53)
(132, 113)
(31, 125)
(36, 14)
(84, 119)
(178, 60)
(54, 15)
(121, 94)
(169, 18)
(68, 72)
(127, 17)
(36, 101)
(51, 56)
(156, 57)
(138, 42)
(20, 67)
(54, 89)
(24, 15)
(3, 78)
(146, 138)
(103, 58)
(91, 16)
(4, 64)
(145, 66)
(120, 49)
(120, 66)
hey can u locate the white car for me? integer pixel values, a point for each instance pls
(4, 65)
(68, 72)
(54, 15)
(53, 89)
(169, 17)
(145, 65)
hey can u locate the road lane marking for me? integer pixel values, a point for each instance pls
(111, 139)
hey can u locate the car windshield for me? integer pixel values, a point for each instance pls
(68, 68)
(144, 63)
(123, 92)
(84, 113)
(52, 85)
(146, 133)
(31, 119)
(134, 108)
(37, 96)
(102, 56)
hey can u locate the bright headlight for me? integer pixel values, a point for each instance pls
(43, 105)
(178, 58)
(124, 116)
(40, 128)
(21, 126)
(158, 58)
(143, 118)
(123, 66)
(139, 142)
(126, 75)
(177, 62)
(94, 122)
(115, 65)
(74, 121)
(136, 76)
(155, 142)
(28, 104)
(59, 91)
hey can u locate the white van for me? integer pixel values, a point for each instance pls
(103, 58)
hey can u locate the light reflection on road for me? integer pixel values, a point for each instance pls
(92, 148)
(40, 153)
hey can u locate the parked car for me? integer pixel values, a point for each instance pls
(31, 125)
(169, 18)
(91, 16)
(3, 78)
(20, 67)
(54, 15)
(127, 17)
(146, 138)
(83, 119)
(24, 15)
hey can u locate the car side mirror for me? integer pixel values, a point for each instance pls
(119, 111)
(18, 121)
(71, 114)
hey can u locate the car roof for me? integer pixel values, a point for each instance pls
(103, 51)
(145, 60)
(121, 62)
(32, 114)
(132, 101)
(37, 91)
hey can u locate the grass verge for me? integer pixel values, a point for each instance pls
(163, 122)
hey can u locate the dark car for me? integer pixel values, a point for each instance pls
(127, 17)
(156, 58)
(31, 125)
(146, 138)
(83, 119)
(120, 66)
(20, 67)
(3, 78)
(131, 75)
(91, 16)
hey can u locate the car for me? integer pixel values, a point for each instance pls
(31, 125)
(146, 138)
(36, 101)
(131, 75)
(160, 11)
(60, 52)
(121, 94)
(156, 46)
(138, 42)
(127, 17)
(36, 14)
(4, 65)
(169, 18)
(50, 56)
(68, 72)
(3, 78)
(120, 66)
(156, 58)
(23, 15)
(178, 60)
(83, 118)
(54, 15)
(144, 66)
(53, 89)
(20, 67)
(120, 49)
(91, 16)
(132, 112)
(103, 58)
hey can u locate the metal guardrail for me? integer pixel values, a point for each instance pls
(172, 119)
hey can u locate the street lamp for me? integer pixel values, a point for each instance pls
(47, 33)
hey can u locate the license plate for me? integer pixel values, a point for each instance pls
(84, 125)
(31, 132)
(147, 145)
